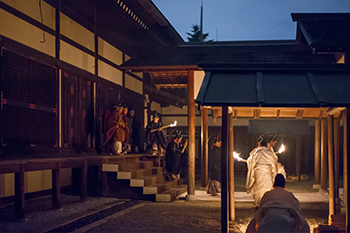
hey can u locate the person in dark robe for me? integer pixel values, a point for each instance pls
(279, 211)
(155, 137)
(126, 142)
(173, 157)
(214, 185)
(135, 132)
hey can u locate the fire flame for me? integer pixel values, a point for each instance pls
(172, 125)
(281, 149)
(236, 156)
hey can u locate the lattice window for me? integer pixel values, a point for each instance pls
(29, 100)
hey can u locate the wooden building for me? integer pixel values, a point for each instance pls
(59, 72)
(64, 62)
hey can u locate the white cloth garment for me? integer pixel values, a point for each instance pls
(262, 169)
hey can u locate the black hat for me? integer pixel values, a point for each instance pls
(216, 139)
(271, 138)
(155, 114)
(177, 134)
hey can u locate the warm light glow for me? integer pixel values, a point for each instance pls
(281, 149)
(236, 156)
(172, 125)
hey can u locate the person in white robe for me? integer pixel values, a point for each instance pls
(279, 211)
(262, 169)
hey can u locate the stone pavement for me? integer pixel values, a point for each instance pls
(317, 197)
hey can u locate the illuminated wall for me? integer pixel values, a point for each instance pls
(34, 37)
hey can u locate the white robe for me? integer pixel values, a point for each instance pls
(279, 211)
(262, 169)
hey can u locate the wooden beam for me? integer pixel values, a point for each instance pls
(256, 113)
(330, 123)
(224, 166)
(231, 173)
(317, 151)
(169, 81)
(321, 114)
(191, 137)
(235, 113)
(204, 146)
(300, 113)
(324, 149)
(333, 111)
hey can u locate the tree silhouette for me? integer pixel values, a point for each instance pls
(196, 35)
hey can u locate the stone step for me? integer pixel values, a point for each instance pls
(139, 173)
(161, 187)
(171, 194)
(148, 180)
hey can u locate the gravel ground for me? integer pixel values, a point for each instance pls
(39, 212)
(197, 216)
(178, 216)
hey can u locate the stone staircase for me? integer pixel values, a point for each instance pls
(144, 178)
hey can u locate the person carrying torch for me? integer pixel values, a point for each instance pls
(155, 137)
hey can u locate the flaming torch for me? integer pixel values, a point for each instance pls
(281, 150)
(237, 157)
(164, 127)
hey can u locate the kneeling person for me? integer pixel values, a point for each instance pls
(279, 211)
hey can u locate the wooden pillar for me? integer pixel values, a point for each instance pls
(324, 181)
(345, 160)
(56, 186)
(191, 137)
(58, 29)
(347, 142)
(224, 165)
(331, 167)
(231, 170)
(336, 164)
(104, 182)
(298, 157)
(19, 193)
(317, 150)
(83, 182)
(204, 146)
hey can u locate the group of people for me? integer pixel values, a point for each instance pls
(120, 130)
(278, 209)
(173, 150)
